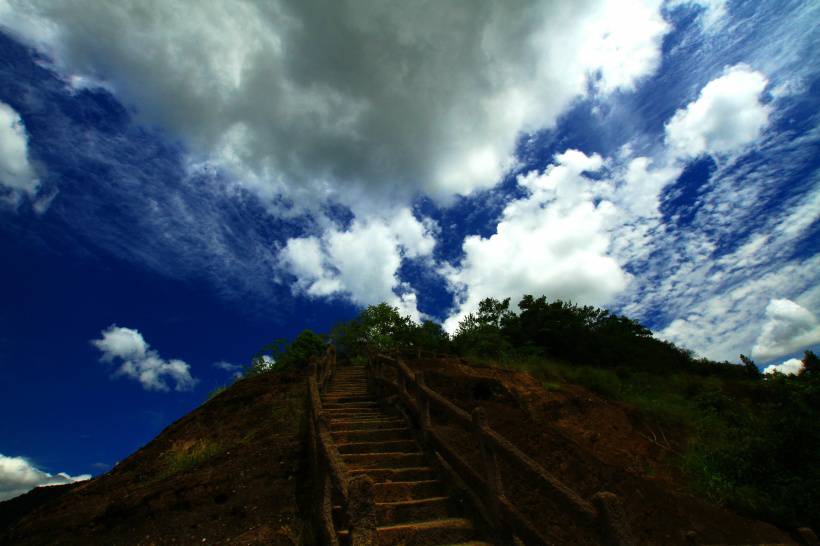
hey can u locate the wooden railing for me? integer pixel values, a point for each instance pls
(605, 511)
(332, 481)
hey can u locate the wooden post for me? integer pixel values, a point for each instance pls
(808, 537)
(326, 509)
(424, 405)
(402, 382)
(361, 512)
(612, 519)
(492, 472)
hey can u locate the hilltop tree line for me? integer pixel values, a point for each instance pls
(750, 441)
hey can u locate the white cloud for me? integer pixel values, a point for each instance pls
(789, 327)
(390, 100)
(362, 262)
(553, 242)
(714, 12)
(18, 475)
(727, 115)
(139, 362)
(16, 172)
(234, 369)
(789, 367)
(227, 366)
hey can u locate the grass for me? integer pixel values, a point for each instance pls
(744, 443)
(666, 399)
(187, 454)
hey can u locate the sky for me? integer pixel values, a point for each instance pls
(183, 182)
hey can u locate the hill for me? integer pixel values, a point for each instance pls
(236, 470)
(231, 471)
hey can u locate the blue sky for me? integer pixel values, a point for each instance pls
(180, 186)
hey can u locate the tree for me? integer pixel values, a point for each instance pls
(281, 355)
(811, 365)
(483, 334)
(378, 327)
(751, 368)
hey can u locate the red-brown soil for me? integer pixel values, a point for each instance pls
(234, 470)
(591, 444)
(230, 472)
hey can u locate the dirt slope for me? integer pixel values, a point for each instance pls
(229, 472)
(233, 471)
(592, 444)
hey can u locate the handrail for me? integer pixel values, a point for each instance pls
(606, 511)
(330, 474)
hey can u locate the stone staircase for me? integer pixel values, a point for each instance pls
(413, 506)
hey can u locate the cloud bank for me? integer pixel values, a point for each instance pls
(16, 172)
(791, 366)
(726, 116)
(361, 263)
(789, 327)
(18, 475)
(348, 100)
(553, 242)
(139, 362)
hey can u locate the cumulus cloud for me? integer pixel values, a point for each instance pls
(362, 262)
(350, 99)
(18, 475)
(139, 362)
(791, 366)
(16, 173)
(553, 242)
(789, 327)
(726, 116)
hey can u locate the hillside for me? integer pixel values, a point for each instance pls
(233, 471)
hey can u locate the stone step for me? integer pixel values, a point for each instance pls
(422, 533)
(384, 460)
(391, 513)
(342, 423)
(409, 474)
(385, 446)
(372, 435)
(405, 491)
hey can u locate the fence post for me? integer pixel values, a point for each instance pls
(361, 510)
(489, 460)
(402, 381)
(612, 519)
(808, 536)
(424, 405)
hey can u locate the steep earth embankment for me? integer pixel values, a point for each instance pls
(591, 444)
(230, 472)
(234, 470)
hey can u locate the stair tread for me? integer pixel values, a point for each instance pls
(441, 523)
(413, 502)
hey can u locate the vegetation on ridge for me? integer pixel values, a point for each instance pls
(742, 439)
